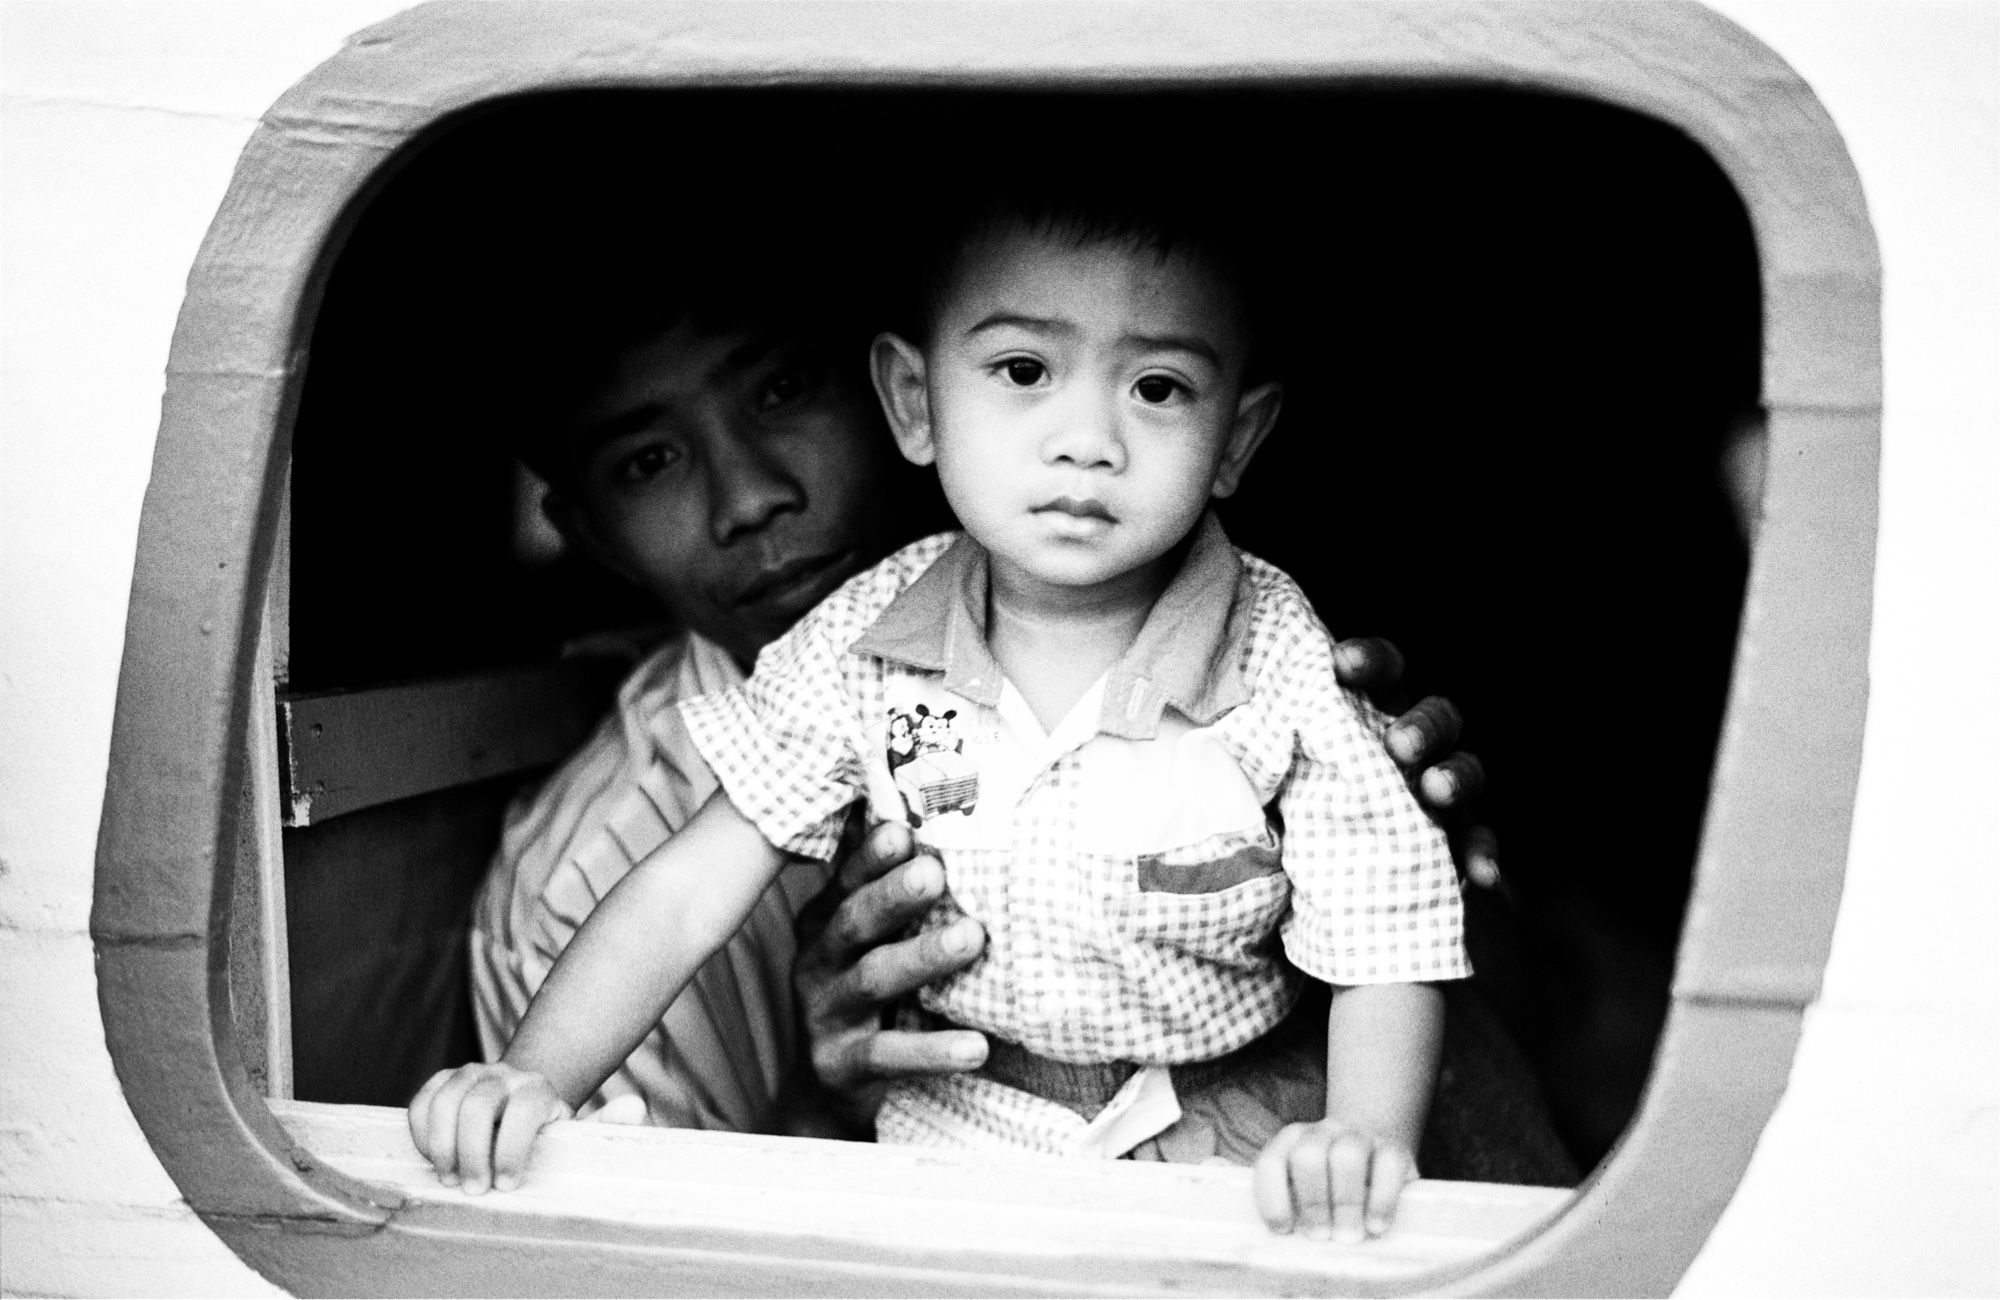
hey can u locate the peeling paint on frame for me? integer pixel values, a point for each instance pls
(1774, 845)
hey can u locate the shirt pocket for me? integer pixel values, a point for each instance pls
(1219, 899)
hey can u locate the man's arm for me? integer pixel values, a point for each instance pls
(854, 965)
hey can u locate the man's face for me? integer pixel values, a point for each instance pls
(1083, 406)
(729, 475)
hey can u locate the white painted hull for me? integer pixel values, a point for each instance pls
(1880, 1173)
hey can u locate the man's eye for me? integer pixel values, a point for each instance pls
(1023, 372)
(1158, 389)
(643, 464)
(787, 387)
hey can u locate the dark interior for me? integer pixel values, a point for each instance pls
(1515, 331)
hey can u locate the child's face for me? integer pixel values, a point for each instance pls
(729, 475)
(1082, 405)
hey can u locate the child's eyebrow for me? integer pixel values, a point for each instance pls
(1192, 343)
(1034, 324)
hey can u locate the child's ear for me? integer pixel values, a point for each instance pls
(1256, 416)
(897, 366)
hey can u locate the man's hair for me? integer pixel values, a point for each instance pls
(598, 293)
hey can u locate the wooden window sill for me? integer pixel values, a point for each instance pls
(725, 1192)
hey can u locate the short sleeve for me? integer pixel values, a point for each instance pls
(782, 743)
(1375, 895)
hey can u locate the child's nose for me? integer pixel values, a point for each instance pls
(1087, 433)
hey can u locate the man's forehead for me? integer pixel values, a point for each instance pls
(678, 365)
(688, 355)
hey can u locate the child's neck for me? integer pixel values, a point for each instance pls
(1054, 642)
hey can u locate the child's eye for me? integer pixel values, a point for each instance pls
(1156, 390)
(1024, 372)
(644, 464)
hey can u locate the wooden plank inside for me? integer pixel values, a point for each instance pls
(260, 978)
(346, 750)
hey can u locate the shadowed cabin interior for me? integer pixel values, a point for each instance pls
(1518, 333)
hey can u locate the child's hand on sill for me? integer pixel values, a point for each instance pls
(1331, 1180)
(476, 1124)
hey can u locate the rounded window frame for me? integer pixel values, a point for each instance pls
(1774, 844)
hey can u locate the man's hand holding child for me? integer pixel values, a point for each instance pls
(851, 970)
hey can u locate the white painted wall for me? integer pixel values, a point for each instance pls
(122, 121)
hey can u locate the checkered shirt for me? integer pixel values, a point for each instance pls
(1162, 954)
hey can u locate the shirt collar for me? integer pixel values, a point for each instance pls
(1189, 653)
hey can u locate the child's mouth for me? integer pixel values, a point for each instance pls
(1088, 508)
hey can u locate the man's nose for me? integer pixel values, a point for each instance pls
(1087, 433)
(748, 487)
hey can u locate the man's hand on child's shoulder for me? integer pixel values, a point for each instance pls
(1331, 1180)
(854, 966)
(477, 1123)
(1423, 740)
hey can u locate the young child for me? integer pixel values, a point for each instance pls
(1091, 701)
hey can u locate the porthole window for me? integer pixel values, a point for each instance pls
(1580, 346)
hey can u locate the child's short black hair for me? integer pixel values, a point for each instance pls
(1077, 203)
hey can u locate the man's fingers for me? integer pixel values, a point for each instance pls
(1479, 857)
(897, 1053)
(1452, 783)
(1271, 1179)
(1387, 1174)
(1347, 1170)
(874, 1055)
(1367, 664)
(887, 845)
(883, 908)
(886, 973)
(1424, 733)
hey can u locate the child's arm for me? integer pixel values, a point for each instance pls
(609, 988)
(1341, 1177)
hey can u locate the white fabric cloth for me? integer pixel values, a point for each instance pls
(720, 1055)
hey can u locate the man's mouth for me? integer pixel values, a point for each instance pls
(786, 583)
(1086, 508)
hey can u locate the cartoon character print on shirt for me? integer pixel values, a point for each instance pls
(928, 763)
(902, 738)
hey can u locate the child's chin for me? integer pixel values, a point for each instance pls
(1075, 572)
